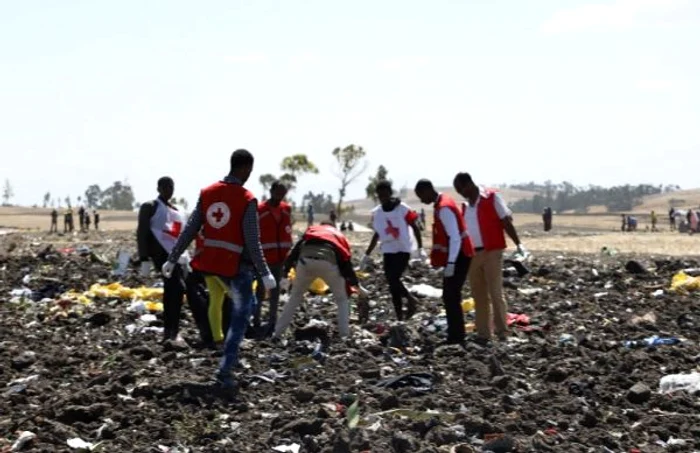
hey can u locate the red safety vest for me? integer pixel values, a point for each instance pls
(490, 224)
(275, 236)
(441, 242)
(222, 209)
(330, 234)
(198, 246)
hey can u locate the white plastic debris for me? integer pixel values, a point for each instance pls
(680, 382)
(21, 292)
(426, 291)
(293, 448)
(529, 291)
(80, 444)
(24, 438)
(25, 380)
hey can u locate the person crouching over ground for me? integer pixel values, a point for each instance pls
(275, 217)
(452, 250)
(391, 221)
(227, 215)
(487, 217)
(322, 252)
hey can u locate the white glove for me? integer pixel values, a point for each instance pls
(269, 282)
(168, 269)
(284, 284)
(422, 254)
(145, 268)
(362, 292)
(449, 270)
(364, 262)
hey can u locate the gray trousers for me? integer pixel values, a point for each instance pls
(276, 271)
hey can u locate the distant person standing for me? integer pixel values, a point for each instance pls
(81, 218)
(547, 218)
(54, 221)
(623, 227)
(87, 220)
(97, 220)
(654, 220)
(66, 221)
(333, 217)
(310, 214)
(672, 219)
(693, 220)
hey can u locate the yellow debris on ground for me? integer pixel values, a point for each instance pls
(468, 304)
(684, 283)
(317, 286)
(151, 297)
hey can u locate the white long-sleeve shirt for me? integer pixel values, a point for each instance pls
(449, 221)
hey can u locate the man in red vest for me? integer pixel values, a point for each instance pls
(487, 218)
(452, 250)
(323, 252)
(227, 216)
(275, 217)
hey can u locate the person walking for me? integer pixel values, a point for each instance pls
(227, 216)
(81, 218)
(672, 219)
(452, 250)
(392, 222)
(275, 217)
(159, 226)
(488, 219)
(322, 252)
(547, 218)
(310, 214)
(654, 221)
(54, 221)
(86, 217)
(97, 220)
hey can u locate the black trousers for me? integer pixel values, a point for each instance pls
(174, 289)
(452, 299)
(395, 265)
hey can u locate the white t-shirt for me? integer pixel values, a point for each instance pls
(393, 228)
(472, 218)
(166, 224)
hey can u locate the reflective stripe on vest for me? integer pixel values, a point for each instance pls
(275, 245)
(223, 245)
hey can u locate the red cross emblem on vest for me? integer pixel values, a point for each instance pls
(392, 230)
(218, 215)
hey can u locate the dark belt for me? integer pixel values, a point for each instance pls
(478, 249)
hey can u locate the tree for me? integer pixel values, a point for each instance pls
(351, 164)
(371, 188)
(118, 196)
(181, 202)
(93, 196)
(289, 180)
(47, 199)
(7, 193)
(295, 166)
(321, 202)
(266, 181)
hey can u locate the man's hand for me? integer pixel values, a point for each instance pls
(449, 270)
(364, 262)
(168, 269)
(422, 254)
(269, 282)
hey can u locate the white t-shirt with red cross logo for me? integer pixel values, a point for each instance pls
(166, 225)
(393, 228)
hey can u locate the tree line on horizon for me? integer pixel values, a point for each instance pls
(351, 163)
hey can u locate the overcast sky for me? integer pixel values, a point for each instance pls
(95, 91)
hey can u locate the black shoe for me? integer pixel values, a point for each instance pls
(481, 341)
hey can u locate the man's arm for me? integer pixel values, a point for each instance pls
(251, 236)
(194, 224)
(505, 215)
(449, 221)
(143, 230)
(372, 244)
(293, 257)
(412, 219)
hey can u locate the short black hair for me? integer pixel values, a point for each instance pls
(278, 184)
(165, 180)
(241, 158)
(463, 178)
(424, 184)
(384, 185)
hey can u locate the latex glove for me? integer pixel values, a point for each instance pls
(145, 268)
(269, 282)
(362, 292)
(168, 269)
(449, 270)
(284, 284)
(422, 254)
(364, 262)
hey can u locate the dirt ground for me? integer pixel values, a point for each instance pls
(564, 381)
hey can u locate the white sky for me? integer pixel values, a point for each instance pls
(511, 91)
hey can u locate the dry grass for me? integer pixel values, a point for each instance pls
(671, 244)
(40, 219)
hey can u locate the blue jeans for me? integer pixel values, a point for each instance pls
(242, 307)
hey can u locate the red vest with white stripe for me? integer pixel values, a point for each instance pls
(439, 253)
(222, 209)
(332, 235)
(490, 225)
(275, 235)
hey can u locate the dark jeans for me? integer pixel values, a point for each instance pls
(276, 270)
(242, 307)
(174, 289)
(395, 265)
(452, 299)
